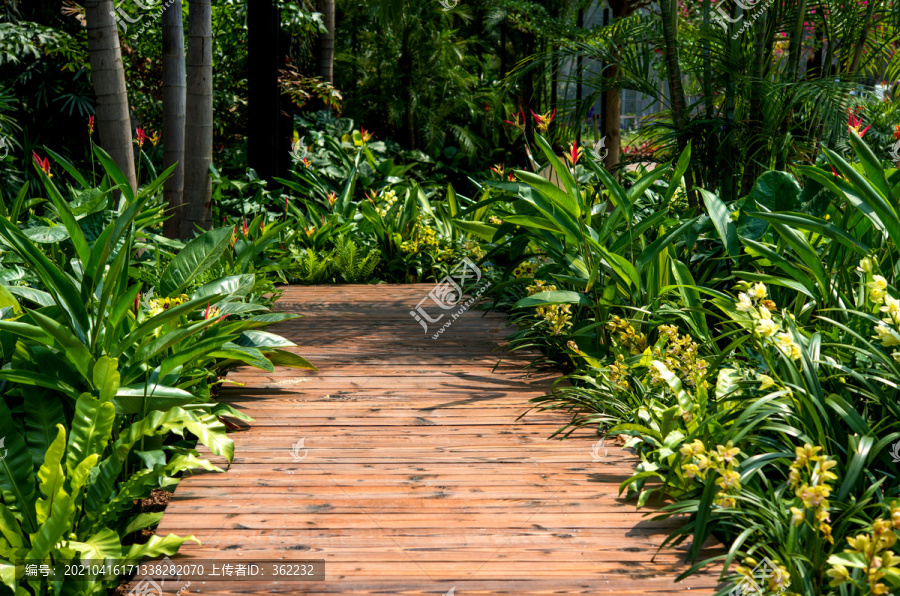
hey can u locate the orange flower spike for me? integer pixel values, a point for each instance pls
(855, 123)
(245, 228)
(43, 164)
(141, 136)
(574, 154)
(499, 168)
(543, 120)
(91, 122)
(517, 120)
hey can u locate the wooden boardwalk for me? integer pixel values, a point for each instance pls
(416, 475)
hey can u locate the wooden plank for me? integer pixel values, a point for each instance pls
(418, 472)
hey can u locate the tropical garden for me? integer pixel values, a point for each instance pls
(716, 274)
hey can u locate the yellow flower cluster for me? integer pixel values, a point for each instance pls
(875, 549)
(679, 353)
(494, 220)
(525, 269)
(559, 316)
(628, 337)
(422, 237)
(158, 305)
(618, 372)
(809, 477)
(886, 331)
(777, 582)
(387, 201)
(755, 302)
(722, 460)
(475, 250)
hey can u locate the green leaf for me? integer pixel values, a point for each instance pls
(156, 546)
(289, 359)
(141, 399)
(17, 485)
(263, 339)
(106, 377)
(51, 476)
(721, 219)
(197, 256)
(775, 191)
(105, 544)
(91, 429)
(555, 297)
(46, 234)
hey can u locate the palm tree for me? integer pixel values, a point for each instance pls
(198, 125)
(174, 87)
(108, 76)
(326, 41)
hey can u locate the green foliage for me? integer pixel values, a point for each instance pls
(106, 387)
(350, 265)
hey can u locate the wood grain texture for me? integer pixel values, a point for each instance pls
(418, 471)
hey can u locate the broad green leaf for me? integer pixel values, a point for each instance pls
(721, 219)
(196, 257)
(91, 429)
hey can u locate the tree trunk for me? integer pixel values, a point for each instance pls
(756, 145)
(108, 77)
(326, 40)
(669, 15)
(174, 87)
(198, 126)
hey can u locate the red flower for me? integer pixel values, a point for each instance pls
(285, 203)
(91, 125)
(897, 132)
(366, 136)
(855, 123)
(43, 164)
(573, 154)
(332, 198)
(141, 136)
(245, 229)
(543, 120)
(517, 120)
(512, 177)
(499, 168)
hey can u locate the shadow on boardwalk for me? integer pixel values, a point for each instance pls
(417, 475)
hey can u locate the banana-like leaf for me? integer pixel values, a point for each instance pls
(289, 359)
(721, 219)
(196, 257)
(554, 297)
(263, 339)
(140, 399)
